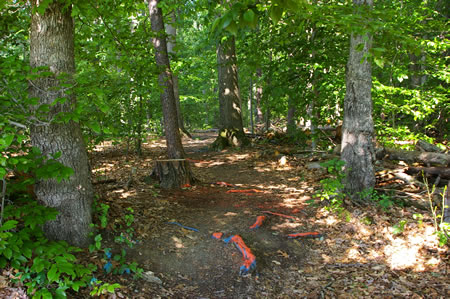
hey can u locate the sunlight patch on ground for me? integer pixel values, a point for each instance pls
(124, 193)
(230, 214)
(178, 242)
(295, 202)
(400, 255)
(102, 146)
(354, 254)
(237, 157)
(286, 225)
(405, 252)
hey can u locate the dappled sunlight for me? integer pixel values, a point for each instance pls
(286, 225)
(354, 254)
(237, 157)
(124, 193)
(355, 249)
(104, 169)
(404, 252)
(401, 254)
(178, 242)
(328, 221)
(205, 164)
(230, 214)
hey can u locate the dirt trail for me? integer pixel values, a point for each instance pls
(358, 256)
(201, 266)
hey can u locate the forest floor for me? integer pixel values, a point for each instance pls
(357, 256)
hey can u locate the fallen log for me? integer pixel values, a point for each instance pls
(424, 146)
(105, 181)
(443, 172)
(413, 156)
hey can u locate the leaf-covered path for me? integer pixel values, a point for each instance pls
(358, 255)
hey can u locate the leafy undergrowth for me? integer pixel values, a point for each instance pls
(388, 248)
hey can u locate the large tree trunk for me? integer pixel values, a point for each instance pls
(52, 45)
(171, 42)
(357, 144)
(173, 140)
(231, 130)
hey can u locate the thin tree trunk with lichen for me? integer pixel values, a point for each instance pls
(173, 177)
(231, 129)
(357, 141)
(171, 42)
(52, 46)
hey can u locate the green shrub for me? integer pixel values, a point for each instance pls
(46, 268)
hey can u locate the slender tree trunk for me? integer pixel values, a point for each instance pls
(269, 83)
(52, 45)
(311, 110)
(291, 126)
(138, 137)
(175, 172)
(231, 130)
(258, 97)
(252, 125)
(417, 69)
(357, 144)
(171, 43)
(174, 147)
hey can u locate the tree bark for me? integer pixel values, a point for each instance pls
(250, 106)
(268, 95)
(291, 126)
(357, 145)
(168, 171)
(231, 129)
(173, 140)
(52, 45)
(171, 43)
(258, 97)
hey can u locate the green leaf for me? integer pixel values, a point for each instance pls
(43, 6)
(249, 16)
(111, 288)
(53, 274)
(7, 253)
(379, 62)
(226, 20)
(76, 285)
(275, 13)
(360, 47)
(8, 224)
(8, 140)
(44, 294)
(60, 292)
(233, 28)
(56, 155)
(95, 126)
(215, 24)
(27, 252)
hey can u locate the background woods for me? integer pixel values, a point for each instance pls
(118, 118)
